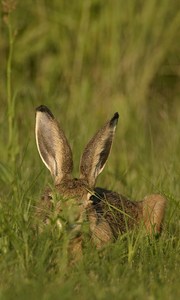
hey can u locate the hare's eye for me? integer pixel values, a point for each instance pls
(94, 198)
(91, 197)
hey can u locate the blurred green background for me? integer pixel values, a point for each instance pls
(85, 60)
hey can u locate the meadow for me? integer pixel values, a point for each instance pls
(86, 60)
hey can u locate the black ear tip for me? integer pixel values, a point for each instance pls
(116, 115)
(114, 119)
(44, 109)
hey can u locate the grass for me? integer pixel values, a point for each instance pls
(86, 60)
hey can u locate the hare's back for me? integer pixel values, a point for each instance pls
(121, 213)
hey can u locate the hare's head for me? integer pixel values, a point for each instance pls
(56, 154)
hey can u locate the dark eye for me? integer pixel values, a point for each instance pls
(92, 197)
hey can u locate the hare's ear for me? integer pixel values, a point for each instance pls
(52, 145)
(97, 151)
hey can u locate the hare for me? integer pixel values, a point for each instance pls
(108, 213)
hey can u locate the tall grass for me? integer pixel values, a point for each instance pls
(86, 60)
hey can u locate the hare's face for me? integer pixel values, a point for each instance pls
(72, 201)
(76, 189)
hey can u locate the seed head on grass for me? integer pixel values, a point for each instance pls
(9, 6)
